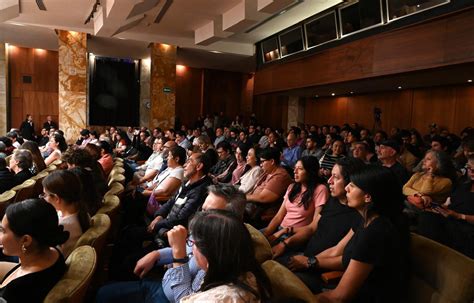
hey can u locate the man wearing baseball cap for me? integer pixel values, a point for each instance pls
(388, 155)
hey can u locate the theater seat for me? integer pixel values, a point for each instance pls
(111, 207)
(96, 235)
(115, 189)
(439, 273)
(116, 177)
(72, 287)
(285, 284)
(263, 250)
(25, 190)
(6, 198)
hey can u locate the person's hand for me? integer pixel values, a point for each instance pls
(153, 223)
(278, 250)
(145, 264)
(426, 201)
(297, 263)
(177, 240)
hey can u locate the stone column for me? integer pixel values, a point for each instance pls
(163, 85)
(3, 88)
(295, 111)
(145, 103)
(72, 83)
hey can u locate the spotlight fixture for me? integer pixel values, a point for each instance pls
(469, 81)
(399, 87)
(333, 94)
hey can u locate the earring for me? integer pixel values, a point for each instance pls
(23, 248)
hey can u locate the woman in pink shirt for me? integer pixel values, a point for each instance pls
(300, 209)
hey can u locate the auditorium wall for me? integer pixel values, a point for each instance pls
(39, 96)
(451, 107)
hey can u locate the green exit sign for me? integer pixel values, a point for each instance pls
(167, 89)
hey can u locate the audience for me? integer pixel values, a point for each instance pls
(30, 231)
(360, 228)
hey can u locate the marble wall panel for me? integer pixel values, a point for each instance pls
(3, 89)
(163, 86)
(145, 102)
(72, 83)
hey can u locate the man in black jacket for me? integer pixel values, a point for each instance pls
(188, 199)
(27, 128)
(20, 164)
(7, 180)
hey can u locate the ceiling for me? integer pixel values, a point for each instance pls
(217, 34)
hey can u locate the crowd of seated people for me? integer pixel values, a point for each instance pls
(321, 198)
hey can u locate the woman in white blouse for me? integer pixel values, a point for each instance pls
(253, 173)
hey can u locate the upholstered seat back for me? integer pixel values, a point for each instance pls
(263, 250)
(72, 287)
(96, 235)
(24, 191)
(115, 188)
(439, 274)
(116, 177)
(285, 284)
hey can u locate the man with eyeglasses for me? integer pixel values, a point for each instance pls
(184, 277)
(269, 189)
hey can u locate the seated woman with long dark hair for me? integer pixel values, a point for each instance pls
(301, 207)
(63, 189)
(31, 232)
(38, 161)
(223, 249)
(374, 254)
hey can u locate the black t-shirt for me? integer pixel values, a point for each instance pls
(462, 199)
(335, 222)
(400, 172)
(33, 287)
(377, 244)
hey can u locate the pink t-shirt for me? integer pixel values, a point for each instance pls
(296, 215)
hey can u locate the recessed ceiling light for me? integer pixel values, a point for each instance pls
(351, 93)
(333, 94)
(469, 81)
(399, 87)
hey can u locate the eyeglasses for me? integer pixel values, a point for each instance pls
(44, 195)
(190, 242)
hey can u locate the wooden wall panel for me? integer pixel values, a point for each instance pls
(440, 42)
(271, 110)
(188, 95)
(433, 106)
(464, 108)
(451, 107)
(40, 97)
(222, 92)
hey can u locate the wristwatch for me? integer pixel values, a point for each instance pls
(312, 262)
(181, 260)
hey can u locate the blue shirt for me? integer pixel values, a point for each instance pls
(291, 155)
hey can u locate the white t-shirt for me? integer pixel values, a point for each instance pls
(72, 225)
(177, 172)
